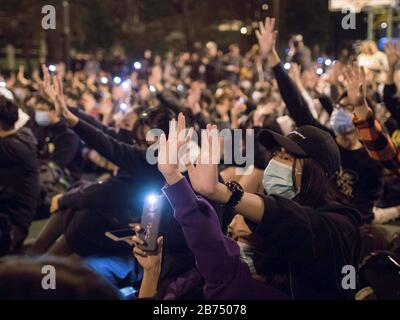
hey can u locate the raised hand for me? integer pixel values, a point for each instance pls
(355, 84)
(168, 154)
(59, 101)
(46, 85)
(21, 76)
(261, 112)
(355, 80)
(266, 36)
(204, 175)
(392, 53)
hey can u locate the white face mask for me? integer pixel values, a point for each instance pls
(278, 180)
(42, 118)
(246, 255)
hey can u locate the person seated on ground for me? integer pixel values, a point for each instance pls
(379, 145)
(114, 204)
(62, 145)
(19, 183)
(299, 201)
(217, 257)
(360, 179)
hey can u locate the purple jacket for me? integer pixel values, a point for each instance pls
(217, 256)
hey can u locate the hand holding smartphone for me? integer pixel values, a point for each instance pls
(150, 223)
(149, 226)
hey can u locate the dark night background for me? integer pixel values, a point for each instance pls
(167, 24)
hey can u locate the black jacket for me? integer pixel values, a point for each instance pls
(67, 148)
(19, 182)
(128, 189)
(361, 177)
(305, 249)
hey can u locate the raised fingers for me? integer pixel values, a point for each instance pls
(181, 123)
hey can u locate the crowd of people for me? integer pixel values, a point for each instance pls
(325, 175)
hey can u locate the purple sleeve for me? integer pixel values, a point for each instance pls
(217, 256)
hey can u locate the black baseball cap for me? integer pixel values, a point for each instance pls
(306, 142)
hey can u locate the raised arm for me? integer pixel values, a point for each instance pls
(217, 257)
(295, 103)
(125, 156)
(379, 145)
(94, 122)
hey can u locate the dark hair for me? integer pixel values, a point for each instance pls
(8, 113)
(71, 95)
(155, 118)
(317, 188)
(29, 97)
(41, 100)
(21, 279)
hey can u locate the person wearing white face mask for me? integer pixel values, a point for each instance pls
(360, 179)
(306, 237)
(62, 145)
(302, 236)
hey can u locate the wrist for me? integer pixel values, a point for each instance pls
(152, 272)
(71, 118)
(273, 59)
(221, 194)
(361, 112)
(173, 178)
(390, 77)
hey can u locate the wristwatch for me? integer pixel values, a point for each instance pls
(237, 193)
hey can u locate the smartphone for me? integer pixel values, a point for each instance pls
(52, 69)
(124, 235)
(150, 223)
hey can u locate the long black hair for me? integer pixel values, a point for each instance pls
(317, 187)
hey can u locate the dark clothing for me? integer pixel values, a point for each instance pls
(303, 58)
(169, 100)
(121, 135)
(361, 181)
(305, 249)
(392, 101)
(360, 178)
(295, 102)
(232, 61)
(217, 256)
(213, 72)
(19, 183)
(67, 149)
(119, 201)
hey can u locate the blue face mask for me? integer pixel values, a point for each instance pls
(42, 118)
(278, 180)
(342, 121)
